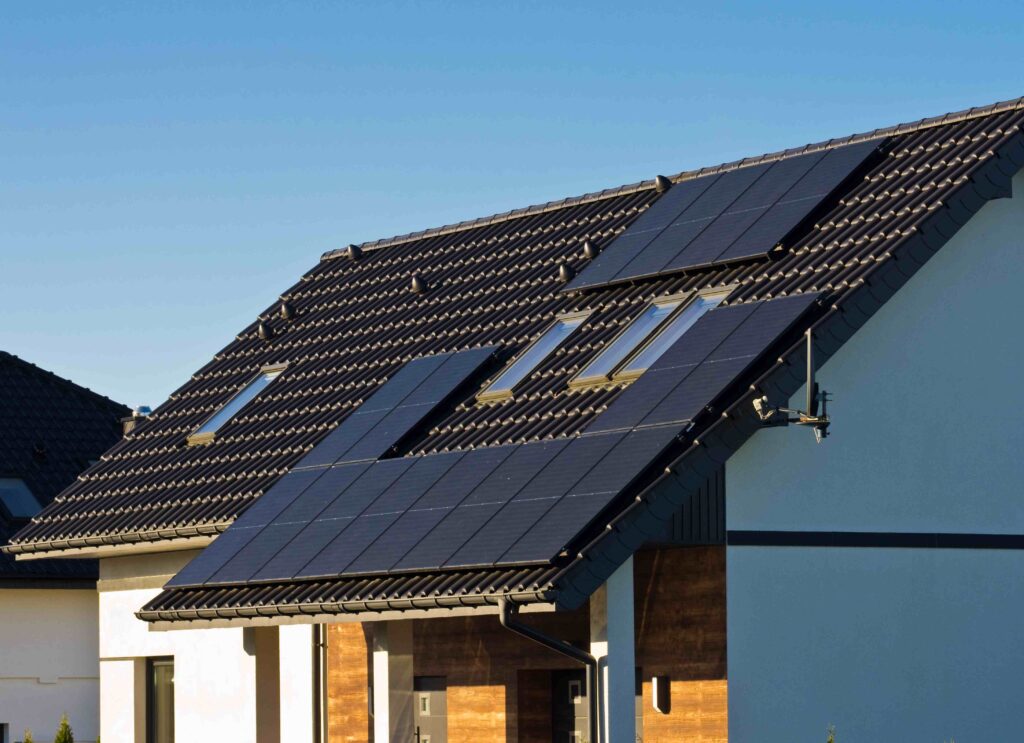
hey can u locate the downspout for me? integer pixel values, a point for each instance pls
(319, 677)
(507, 612)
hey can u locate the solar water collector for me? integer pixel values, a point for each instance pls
(733, 215)
(486, 507)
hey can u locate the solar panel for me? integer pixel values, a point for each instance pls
(738, 214)
(397, 407)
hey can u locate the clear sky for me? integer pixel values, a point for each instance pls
(167, 169)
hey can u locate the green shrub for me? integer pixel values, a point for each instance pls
(28, 736)
(64, 734)
(831, 732)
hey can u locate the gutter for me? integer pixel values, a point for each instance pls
(507, 613)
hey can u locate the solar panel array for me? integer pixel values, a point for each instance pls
(723, 217)
(494, 506)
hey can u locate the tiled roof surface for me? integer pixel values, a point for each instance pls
(50, 429)
(493, 282)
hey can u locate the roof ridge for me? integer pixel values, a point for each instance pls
(8, 357)
(903, 128)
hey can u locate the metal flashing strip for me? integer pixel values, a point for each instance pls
(875, 539)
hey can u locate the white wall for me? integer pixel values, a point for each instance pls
(48, 666)
(214, 669)
(894, 644)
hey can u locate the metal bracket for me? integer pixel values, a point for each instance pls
(816, 413)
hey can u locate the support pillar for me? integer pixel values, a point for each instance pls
(612, 642)
(393, 716)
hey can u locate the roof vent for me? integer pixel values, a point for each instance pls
(287, 310)
(590, 250)
(419, 285)
(264, 331)
(354, 252)
(662, 184)
(565, 272)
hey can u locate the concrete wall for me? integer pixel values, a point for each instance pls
(894, 644)
(48, 651)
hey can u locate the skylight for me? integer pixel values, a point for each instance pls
(242, 398)
(17, 499)
(641, 343)
(531, 358)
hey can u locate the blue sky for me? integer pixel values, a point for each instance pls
(167, 169)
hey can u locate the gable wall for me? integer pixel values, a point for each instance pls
(896, 643)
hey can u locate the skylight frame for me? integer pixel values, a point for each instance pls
(624, 372)
(618, 373)
(200, 436)
(492, 393)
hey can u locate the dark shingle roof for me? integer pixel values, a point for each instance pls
(494, 282)
(50, 429)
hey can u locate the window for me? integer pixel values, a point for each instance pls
(425, 705)
(17, 499)
(531, 358)
(160, 700)
(205, 432)
(660, 325)
(678, 325)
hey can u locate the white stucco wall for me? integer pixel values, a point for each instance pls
(214, 669)
(894, 644)
(48, 666)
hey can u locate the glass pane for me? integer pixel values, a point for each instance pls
(161, 702)
(536, 353)
(679, 325)
(652, 316)
(239, 401)
(17, 498)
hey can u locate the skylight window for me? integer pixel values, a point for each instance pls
(243, 397)
(660, 325)
(532, 357)
(17, 499)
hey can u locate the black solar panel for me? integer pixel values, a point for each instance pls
(492, 506)
(738, 214)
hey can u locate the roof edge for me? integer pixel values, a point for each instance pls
(896, 129)
(7, 356)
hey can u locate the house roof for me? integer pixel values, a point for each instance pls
(50, 430)
(496, 282)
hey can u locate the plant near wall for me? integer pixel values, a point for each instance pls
(64, 733)
(28, 736)
(831, 733)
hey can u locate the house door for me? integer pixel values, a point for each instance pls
(431, 710)
(569, 710)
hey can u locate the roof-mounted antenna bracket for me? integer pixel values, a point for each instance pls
(816, 413)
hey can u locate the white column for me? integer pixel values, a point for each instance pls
(392, 681)
(612, 643)
(122, 701)
(296, 647)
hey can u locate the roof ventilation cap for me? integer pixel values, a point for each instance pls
(264, 331)
(590, 250)
(354, 252)
(565, 272)
(662, 184)
(419, 285)
(287, 310)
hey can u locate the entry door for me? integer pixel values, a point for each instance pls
(569, 707)
(431, 708)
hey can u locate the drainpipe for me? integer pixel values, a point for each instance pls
(507, 613)
(319, 687)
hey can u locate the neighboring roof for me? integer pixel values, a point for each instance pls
(50, 430)
(496, 282)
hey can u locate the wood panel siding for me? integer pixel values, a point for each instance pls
(499, 683)
(348, 683)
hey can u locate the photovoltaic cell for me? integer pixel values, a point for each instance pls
(738, 214)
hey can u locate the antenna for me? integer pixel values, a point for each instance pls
(816, 398)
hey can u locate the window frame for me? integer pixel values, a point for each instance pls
(151, 663)
(618, 373)
(199, 437)
(491, 395)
